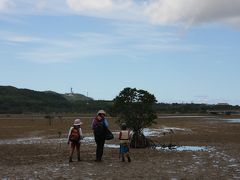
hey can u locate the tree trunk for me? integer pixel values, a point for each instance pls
(139, 140)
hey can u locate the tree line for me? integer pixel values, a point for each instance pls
(18, 101)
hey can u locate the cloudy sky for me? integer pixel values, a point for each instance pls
(179, 50)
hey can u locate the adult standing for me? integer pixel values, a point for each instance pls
(99, 126)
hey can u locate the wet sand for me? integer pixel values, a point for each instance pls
(209, 148)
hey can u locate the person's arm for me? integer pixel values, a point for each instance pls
(93, 124)
(69, 133)
(80, 133)
(120, 135)
(106, 123)
(130, 134)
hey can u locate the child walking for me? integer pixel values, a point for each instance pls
(124, 137)
(74, 138)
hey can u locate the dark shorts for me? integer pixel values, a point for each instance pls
(75, 144)
(124, 148)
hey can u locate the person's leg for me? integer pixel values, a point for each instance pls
(127, 152)
(128, 157)
(78, 150)
(101, 147)
(72, 147)
(97, 140)
(122, 152)
(123, 157)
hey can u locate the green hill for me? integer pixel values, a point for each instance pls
(14, 100)
(76, 97)
(15, 94)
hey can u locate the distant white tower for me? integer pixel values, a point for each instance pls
(71, 92)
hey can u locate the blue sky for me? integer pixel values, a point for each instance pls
(179, 50)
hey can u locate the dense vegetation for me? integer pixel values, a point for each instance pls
(192, 108)
(14, 100)
(135, 108)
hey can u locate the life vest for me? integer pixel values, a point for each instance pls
(124, 136)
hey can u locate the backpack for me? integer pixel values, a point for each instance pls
(99, 128)
(74, 136)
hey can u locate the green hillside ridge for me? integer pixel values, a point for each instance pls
(16, 100)
(73, 96)
(76, 97)
(16, 94)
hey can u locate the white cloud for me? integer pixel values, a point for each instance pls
(18, 38)
(163, 12)
(124, 39)
(46, 56)
(191, 12)
(6, 5)
(85, 5)
(102, 5)
(41, 4)
(21, 39)
(87, 45)
(76, 47)
(111, 9)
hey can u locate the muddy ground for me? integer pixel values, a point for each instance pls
(31, 148)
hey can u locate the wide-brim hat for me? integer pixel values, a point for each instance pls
(77, 122)
(101, 112)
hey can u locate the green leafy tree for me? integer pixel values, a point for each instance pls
(135, 108)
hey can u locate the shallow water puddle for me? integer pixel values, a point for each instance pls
(162, 131)
(173, 148)
(33, 140)
(183, 148)
(114, 146)
(171, 117)
(89, 139)
(236, 120)
(41, 140)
